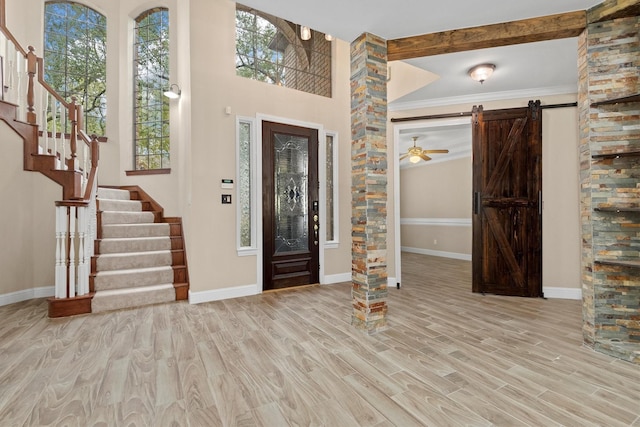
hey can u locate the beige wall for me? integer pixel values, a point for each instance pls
(440, 191)
(203, 136)
(27, 237)
(213, 262)
(561, 239)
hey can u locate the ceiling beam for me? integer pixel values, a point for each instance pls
(550, 27)
(613, 9)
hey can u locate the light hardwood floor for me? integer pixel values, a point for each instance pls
(448, 358)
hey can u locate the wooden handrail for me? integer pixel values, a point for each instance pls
(46, 85)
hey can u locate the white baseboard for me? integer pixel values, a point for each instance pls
(27, 294)
(330, 279)
(562, 293)
(454, 255)
(220, 294)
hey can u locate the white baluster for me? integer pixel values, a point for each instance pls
(72, 251)
(54, 129)
(63, 140)
(61, 234)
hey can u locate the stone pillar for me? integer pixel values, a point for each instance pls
(588, 317)
(609, 55)
(369, 182)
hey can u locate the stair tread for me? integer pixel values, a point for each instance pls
(133, 270)
(134, 253)
(130, 290)
(128, 239)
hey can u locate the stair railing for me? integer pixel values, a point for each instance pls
(38, 104)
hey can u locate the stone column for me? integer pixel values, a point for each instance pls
(609, 54)
(369, 182)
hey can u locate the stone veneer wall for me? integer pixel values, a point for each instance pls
(369, 182)
(609, 67)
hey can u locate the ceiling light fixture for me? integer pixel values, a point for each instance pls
(414, 158)
(481, 72)
(305, 32)
(173, 92)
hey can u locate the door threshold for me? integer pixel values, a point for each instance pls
(291, 288)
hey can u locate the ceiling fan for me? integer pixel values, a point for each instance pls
(415, 153)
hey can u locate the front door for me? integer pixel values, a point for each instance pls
(507, 209)
(290, 209)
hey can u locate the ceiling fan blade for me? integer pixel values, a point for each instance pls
(436, 151)
(425, 157)
(404, 156)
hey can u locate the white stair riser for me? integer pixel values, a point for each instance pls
(135, 260)
(113, 246)
(134, 230)
(131, 278)
(132, 297)
(126, 217)
(119, 205)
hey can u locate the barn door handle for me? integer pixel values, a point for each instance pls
(476, 202)
(540, 202)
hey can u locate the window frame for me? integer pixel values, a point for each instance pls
(306, 64)
(252, 249)
(165, 102)
(83, 98)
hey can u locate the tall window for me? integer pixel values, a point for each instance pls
(271, 50)
(331, 189)
(75, 60)
(245, 155)
(151, 78)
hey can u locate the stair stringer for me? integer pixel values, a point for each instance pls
(70, 180)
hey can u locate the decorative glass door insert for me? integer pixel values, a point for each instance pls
(291, 189)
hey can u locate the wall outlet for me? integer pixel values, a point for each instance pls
(435, 241)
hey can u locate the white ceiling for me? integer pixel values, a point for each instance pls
(533, 69)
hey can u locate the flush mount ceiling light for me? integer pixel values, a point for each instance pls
(481, 72)
(305, 32)
(173, 92)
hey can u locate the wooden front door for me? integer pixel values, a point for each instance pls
(290, 209)
(507, 195)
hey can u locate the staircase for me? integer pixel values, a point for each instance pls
(140, 257)
(114, 249)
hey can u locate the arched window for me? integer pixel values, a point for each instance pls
(75, 58)
(273, 50)
(151, 79)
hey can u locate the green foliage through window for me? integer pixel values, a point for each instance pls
(151, 79)
(75, 60)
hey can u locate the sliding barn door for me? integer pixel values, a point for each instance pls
(507, 196)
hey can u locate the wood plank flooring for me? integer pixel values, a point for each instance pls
(448, 358)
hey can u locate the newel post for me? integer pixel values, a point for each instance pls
(95, 151)
(72, 163)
